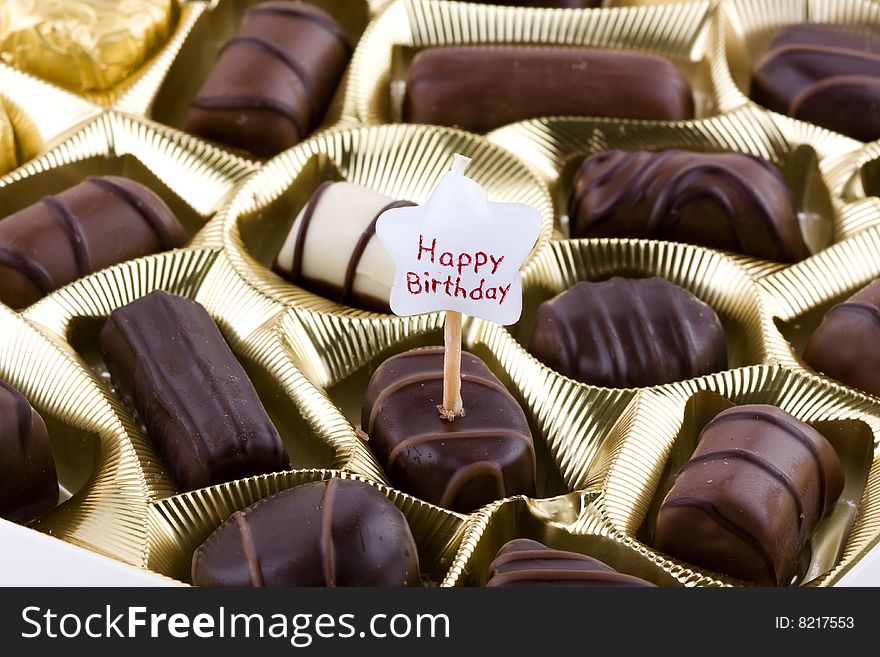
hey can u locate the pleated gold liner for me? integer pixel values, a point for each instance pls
(575, 418)
(573, 522)
(37, 130)
(104, 490)
(745, 27)
(193, 178)
(678, 32)
(804, 153)
(179, 524)
(401, 161)
(312, 429)
(174, 79)
(639, 467)
(856, 178)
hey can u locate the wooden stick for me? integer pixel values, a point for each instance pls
(452, 406)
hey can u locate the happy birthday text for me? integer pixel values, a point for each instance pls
(458, 263)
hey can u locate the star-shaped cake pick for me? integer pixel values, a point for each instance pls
(458, 252)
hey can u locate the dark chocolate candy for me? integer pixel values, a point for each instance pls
(730, 201)
(825, 74)
(273, 80)
(845, 345)
(328, 533)
(480, 88)
(486, 455)
(624, 333)
(100, 222)
(522, 562)
(751, 495)
(199, 406)
(28, 482)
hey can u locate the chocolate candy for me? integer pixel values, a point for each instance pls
(97, 223)
(327, 533)
(8, 157)
(83, 45)
(332, 249)
(825, 74)
(730, 201)
(845, 345)
(522, 562)
(480, 88)
(28, 482)
(751, 495)
(486, 455)
(198, 405)
(273, 80)
(624, 333)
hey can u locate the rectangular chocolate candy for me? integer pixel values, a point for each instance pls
(480, 88)
(199, 407)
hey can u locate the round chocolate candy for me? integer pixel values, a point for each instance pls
(337, 532)
(523, 562)
(627, 333)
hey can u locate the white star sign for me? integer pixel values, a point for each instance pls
(459, 251)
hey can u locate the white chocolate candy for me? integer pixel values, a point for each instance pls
(332, 248)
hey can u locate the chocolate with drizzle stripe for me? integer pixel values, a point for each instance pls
(28, 481)
(347, 293)
(337, 532)
(523, 562)
(299, 52)
(99, 222)
(730, 201)
(844, 346)
(823, 73)
(751, 496)
(486, 455)
(198, 404)
(624, 333)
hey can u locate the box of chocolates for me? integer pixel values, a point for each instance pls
(203, 382)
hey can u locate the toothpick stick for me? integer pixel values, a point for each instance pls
(452, 406)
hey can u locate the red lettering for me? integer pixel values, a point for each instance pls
(495, 263)
(413, 283)
(426, 249)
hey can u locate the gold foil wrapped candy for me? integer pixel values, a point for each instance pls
(82, 45)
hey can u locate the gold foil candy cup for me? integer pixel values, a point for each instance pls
(374, 95)
(103, 487)
(576, 419)
(179, 524)
(165, 90)
(571, 522)
(24, 100)
(745, 28)
(640, 467)
(97, 52)
(401, 161)
(312, 429)
(806, 155)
